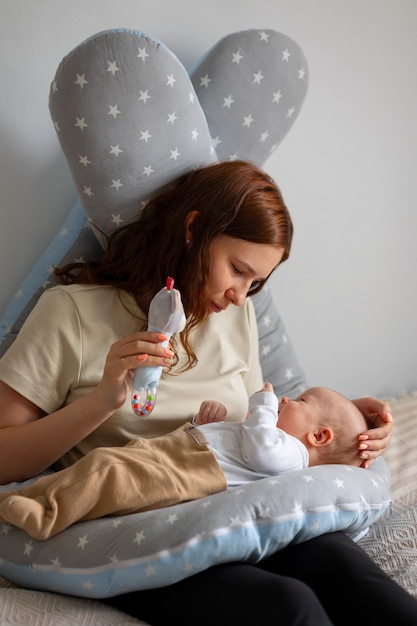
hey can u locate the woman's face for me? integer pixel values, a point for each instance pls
(235, 265)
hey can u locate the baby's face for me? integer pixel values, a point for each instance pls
(301, 415)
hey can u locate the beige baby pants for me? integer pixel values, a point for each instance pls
(145, 474)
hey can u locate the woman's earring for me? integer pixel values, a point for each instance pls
(187, 242)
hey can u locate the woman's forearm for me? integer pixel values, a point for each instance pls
(30, 448)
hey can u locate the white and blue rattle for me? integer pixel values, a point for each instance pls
(166, 315)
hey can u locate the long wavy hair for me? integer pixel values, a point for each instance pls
(232, 198)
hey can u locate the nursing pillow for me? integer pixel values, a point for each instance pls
(130, 120)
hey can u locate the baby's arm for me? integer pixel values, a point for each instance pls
(210, 411)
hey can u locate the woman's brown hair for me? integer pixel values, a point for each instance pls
(233, 198)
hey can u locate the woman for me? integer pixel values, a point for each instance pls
(220, 232)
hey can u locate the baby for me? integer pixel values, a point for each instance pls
(320, 426)
(195, 460)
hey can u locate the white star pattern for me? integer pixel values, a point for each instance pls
(147, 170)
(308, 478)
(144, 96)
(257, 78)
(84, 160)
(228, 101)
(150, 571)
(116, 150)
(298, 508)
(112, 68)
(289, 374)
(277, 96)
(82, 542)
(266, 321)
(116, 219)
(5, 529)
(81, 80)
(116, 184)
(28, 548)
(171, 80)
(139, 537)
(266, 349)
(142, 54)
(174, 154)
(145, 135)
(172, 117)
(81, 123)
(205, 80)
(88, 585)
(340, 483)
(248, 120)
(237, 57)
(114, 110)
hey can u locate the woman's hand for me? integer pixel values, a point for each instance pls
(124, 357)
(374, 441)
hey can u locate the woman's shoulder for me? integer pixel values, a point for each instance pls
(79, 294)
(76, 288)
(84, 302)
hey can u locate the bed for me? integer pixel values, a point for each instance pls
(62, 580)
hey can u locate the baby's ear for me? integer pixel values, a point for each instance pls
(322, 436)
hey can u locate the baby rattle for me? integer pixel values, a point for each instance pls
(166, 315)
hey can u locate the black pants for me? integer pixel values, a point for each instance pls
(324, 581)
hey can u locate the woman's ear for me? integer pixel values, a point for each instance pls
(322, 436)
(188, 224)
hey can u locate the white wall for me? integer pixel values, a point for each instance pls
(347, 168)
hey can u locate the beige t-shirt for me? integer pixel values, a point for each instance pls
(61, 349)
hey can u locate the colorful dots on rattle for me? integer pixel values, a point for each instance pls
(143, 401)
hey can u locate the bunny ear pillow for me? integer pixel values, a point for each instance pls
(130, 119)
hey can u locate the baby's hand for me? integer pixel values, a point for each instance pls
(210, 411)
(267, 387)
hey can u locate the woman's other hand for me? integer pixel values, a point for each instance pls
(375, 440)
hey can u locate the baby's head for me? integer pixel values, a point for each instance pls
(326, 422)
